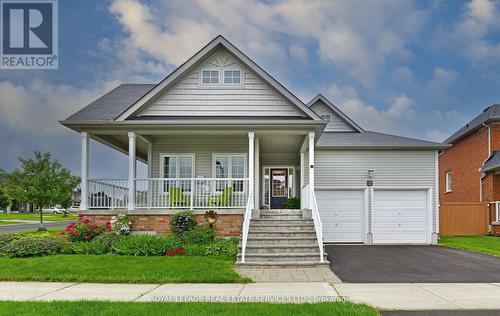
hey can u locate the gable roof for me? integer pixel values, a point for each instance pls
(217, 42)
(373, 140)
(336, 110)
(112, 104)
(491, 113)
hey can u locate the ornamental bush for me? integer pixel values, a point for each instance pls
(90, 248)
(84, 229)
(145, 245)
(182, 222)
(120, 224)
(29, 246)
(202, 234)
(5, 239)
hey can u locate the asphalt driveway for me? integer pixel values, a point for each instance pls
(411, 264)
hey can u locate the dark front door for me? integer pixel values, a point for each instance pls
(279, 187)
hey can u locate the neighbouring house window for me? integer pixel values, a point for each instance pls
(230, 167)
(178, 167)
(326, 117)
(210, 76)
(448, 181)
(232, 76)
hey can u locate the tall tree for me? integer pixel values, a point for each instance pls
(4, 199)
(42, 181)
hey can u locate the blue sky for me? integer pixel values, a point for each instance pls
(419, 69)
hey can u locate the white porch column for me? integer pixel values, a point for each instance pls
(257, 173)
(150, 160)
(302, 158)
(132, 137)
(311, 166)
(251, 164)
(85, 171)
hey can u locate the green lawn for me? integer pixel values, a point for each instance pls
(484, 244)
(120, 269)
(199, 309)
(36, 216)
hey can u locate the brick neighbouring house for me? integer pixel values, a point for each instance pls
(469, 170)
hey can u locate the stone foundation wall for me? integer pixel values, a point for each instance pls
(228, 225)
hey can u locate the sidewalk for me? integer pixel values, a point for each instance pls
(386, 296)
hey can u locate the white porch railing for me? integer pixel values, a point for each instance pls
(310, 201)
(163, 193)
(107, 193)
(246, 226)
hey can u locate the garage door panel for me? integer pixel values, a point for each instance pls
(400, 216)
(341, 213)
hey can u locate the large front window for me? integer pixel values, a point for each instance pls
(178, 167)
(230, 166)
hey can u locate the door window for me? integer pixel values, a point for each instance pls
(279, 188)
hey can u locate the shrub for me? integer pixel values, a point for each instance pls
(292, 203)
(182, 222)
(199, 235)
(120, 224)
(84, 229)
(195, 250)
(5, 239)
(34, 247)
(145, 245)
(90, 248)
(108, 239)
(223, 247)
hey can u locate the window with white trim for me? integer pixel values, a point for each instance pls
(177, 166)
(447, 177)
(227, 166)
(210, 76)
(232, 76)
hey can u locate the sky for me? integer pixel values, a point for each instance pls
(413, 68)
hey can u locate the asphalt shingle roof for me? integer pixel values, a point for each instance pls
(493, 162)
(372, 140)
(489, 114)
(112, 104)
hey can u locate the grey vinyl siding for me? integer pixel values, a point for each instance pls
(337, 124)
(202, 146)
(394, 168)
(252, 98)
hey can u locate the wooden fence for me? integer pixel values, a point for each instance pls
(457, 219)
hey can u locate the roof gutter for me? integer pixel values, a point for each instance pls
(489, 155)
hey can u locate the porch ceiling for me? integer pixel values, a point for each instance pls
(120, 142)
(281, 143)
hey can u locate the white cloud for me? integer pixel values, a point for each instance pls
(402, 75)
(436, 135)
(470, 33)
(397, 118)
(356, 38)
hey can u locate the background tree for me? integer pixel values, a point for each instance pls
(4, 199)
(41, 181)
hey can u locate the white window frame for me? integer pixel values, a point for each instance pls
(210, 69)
(448, 181)
(232, 69)
(230, 166)
(178, 165)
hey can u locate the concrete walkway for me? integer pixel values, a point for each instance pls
(285, 275)
(388, 296)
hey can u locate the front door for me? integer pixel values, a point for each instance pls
(279, 187)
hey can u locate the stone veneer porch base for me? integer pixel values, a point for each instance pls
(228, 225)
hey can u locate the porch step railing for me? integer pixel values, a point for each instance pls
(497, 211)
(310, 202)
(163, 193)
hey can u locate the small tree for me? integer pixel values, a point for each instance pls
(4, 199)
(41, 181)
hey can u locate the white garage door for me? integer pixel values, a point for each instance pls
(341, 213)
(400, 217)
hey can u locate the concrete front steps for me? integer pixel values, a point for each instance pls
(281, 238)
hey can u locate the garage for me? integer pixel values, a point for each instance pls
(342, 215)
(400, 217)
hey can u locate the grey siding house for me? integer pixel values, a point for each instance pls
(219, 133)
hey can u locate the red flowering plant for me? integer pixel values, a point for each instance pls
(84, 229)
(179, 251)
